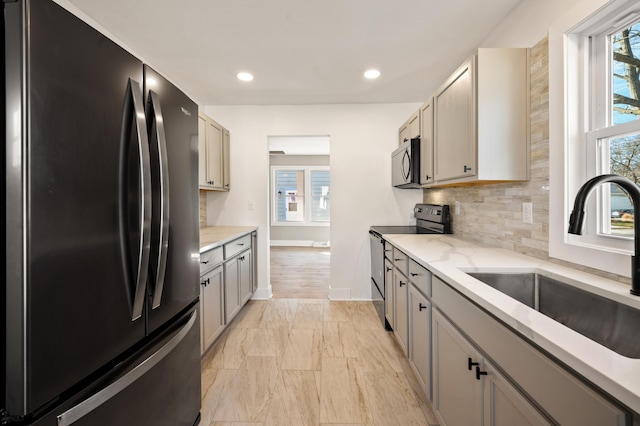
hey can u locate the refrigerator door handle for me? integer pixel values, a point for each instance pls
(163, 241)
(134, 107)
(77, 412)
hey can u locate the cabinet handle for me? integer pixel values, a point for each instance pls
(421, 307)
(413, 274)
(467, 169)
(206, 282)
(480, 373)
(427, 177)
(240, 244)
(398, 260)
(470, 363)
(401, 283)
(388, 269)
(204, 262)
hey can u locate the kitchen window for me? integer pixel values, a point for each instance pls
(594, 128)
(300, 196)
(614, 134)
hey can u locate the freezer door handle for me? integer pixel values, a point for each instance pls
(159, 261)
(77, 412)
(139, 261)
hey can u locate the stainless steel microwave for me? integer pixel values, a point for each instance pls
(405, 165)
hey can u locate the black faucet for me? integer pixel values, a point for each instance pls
(577, 217)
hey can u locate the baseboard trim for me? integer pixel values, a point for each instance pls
(299, 243)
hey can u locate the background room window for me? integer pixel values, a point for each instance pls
(300, 195)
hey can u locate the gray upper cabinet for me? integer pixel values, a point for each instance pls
(213, 155)
(426, 143)
(410, 129)
(481, 120)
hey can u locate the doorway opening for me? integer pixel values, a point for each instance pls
(299, 216)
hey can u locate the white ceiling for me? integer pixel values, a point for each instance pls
(301, 51)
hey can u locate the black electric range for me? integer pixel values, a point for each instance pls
(430, 219)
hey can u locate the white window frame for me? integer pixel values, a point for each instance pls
(308, 202)
(572, 157)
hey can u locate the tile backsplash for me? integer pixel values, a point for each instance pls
(203, 209)
(492, 214)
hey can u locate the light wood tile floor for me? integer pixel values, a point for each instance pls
(309, 362)
(300, 272)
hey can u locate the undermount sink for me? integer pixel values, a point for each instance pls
(610, 323)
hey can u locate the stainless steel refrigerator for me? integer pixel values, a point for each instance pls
(100, 227)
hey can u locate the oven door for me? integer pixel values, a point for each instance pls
(377, 274)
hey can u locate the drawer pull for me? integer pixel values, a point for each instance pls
(413, 274)
(398, 260)
(470, 364)
(204, 262)
(480, 373)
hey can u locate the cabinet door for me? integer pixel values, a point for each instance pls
(202, 152)
(413, 126)
(455, 126)
(246, 276)
(389, 299)
(426, 142)
(231, 288)
(420, 338)
(226, 158)
(504, 405)
(401, 298)
(456, 392)
(211, 307)
(214, 154)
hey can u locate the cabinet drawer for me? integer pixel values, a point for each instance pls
(236, 246)
(400, 261)
(420, 277)
(210, 259)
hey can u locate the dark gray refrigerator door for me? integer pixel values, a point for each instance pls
(71, 286)
(174, 273)
(158, 386)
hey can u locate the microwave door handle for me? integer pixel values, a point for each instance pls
(406, 170)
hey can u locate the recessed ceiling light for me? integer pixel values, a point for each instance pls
(245, 76)
(371, 74)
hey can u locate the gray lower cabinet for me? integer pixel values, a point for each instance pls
(227, 278)
(211, 308)
(232, 303)
(468, 390)
(245, 272)
(420, 338)
(530, 387)
(456, 393)
(401, 302)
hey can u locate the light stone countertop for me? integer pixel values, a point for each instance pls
(449, 258)
(214, 236)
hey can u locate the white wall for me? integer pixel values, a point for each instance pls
(528, 23)
(362, 138)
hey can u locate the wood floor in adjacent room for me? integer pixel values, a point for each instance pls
(300, 272)
(309, 362)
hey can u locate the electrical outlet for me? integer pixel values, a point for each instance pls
(457, 208)
(527, 212)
